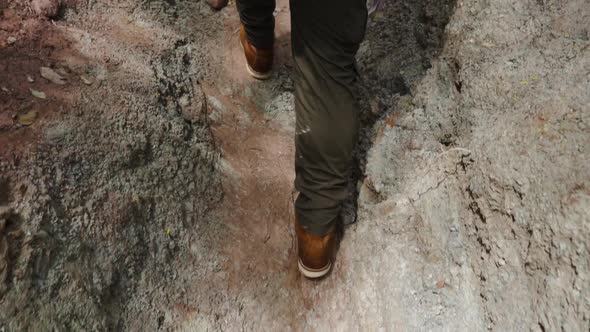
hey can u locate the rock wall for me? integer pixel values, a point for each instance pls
(103, 207)
(490, 157)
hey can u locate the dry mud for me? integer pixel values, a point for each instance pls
(153, 190)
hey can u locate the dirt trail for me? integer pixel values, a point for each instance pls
(257, 155)
(255, 138)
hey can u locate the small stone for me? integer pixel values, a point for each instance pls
(38, 94)
(30, 79)
(52, 76)
(85, 79)
(28, 118)
(440, 283)
(11, 40)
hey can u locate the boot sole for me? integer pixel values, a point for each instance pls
(313, 273)
(257, 75)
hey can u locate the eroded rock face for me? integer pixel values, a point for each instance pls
(114, 187)
(490, 157)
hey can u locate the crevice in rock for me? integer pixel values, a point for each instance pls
(414, 32)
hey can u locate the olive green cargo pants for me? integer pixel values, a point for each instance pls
(325, 36)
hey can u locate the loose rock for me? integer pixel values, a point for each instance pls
(38, 94)
(85, 79)
(52, 76)
(28, 118)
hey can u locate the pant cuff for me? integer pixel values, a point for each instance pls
(310, 225)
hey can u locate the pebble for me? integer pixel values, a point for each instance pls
(52, 76)
(85, 79)
(28, 118)
(38, 94)
(11, 40)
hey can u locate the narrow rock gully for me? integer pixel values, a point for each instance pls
(154, 189)
(252, 125)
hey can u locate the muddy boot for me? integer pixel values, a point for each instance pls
(258, 61)
(217, 4)
(315, 253)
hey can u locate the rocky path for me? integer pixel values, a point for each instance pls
(153, 190)
(253, 126)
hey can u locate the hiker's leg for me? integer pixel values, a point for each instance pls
(258, 20)
(325, 37)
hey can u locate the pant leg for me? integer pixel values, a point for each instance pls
(259, 22)
(325, 36)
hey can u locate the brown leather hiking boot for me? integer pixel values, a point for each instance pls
(314, 252)
(259, 61)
